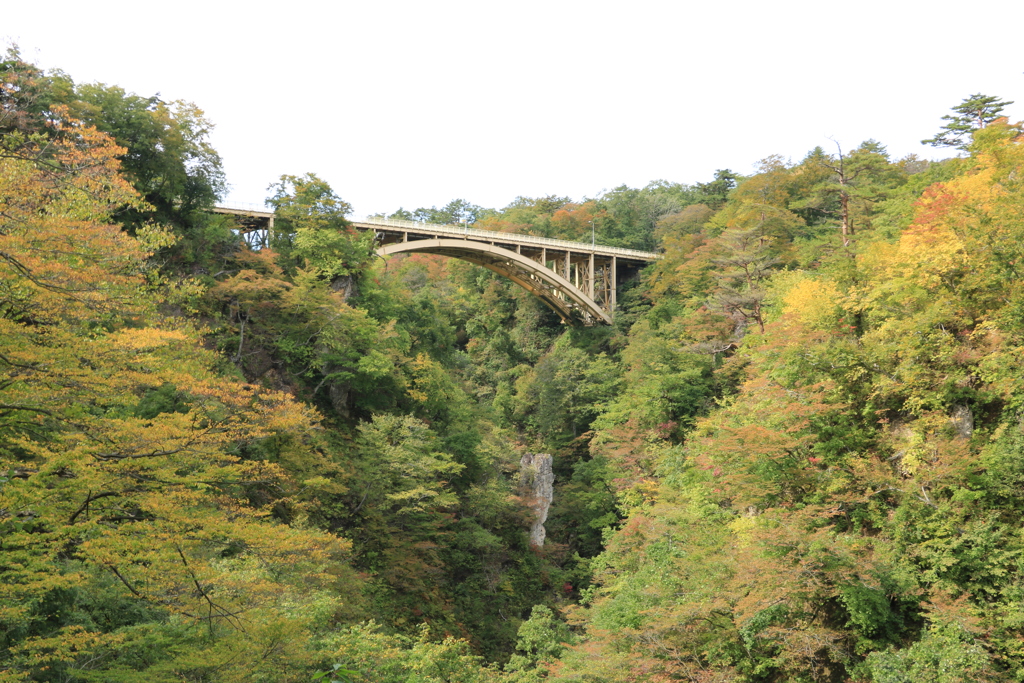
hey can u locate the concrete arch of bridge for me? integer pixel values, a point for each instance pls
(573, 306)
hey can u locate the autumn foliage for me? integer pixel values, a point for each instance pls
(797, 455)
(123, 447)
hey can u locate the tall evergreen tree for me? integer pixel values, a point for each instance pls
(976, 111)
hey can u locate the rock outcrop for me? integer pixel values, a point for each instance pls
(536, 488)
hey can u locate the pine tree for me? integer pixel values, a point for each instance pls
(975, 112)
(746, 263)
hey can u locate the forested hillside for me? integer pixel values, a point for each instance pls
(797, 455)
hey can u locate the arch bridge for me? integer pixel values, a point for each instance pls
(578, 281)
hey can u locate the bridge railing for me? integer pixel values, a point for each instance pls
(518, 238)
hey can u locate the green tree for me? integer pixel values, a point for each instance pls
(168, 158)
(947, 653)
(559, 397)
(311, 231)
(716, 192)
(455, 212)
(633, 214)
(745, 263)
(541, 641)
(409, 474)
(368, 655)
(974, 113)
(852, 185)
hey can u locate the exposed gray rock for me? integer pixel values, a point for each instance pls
(346, 285)
(537, 488)
(963, 421)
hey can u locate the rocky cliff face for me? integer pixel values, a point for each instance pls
(536, 488)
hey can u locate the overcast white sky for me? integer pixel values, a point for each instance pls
(405, 103)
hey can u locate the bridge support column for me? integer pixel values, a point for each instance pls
(615, 284)
(590, 277)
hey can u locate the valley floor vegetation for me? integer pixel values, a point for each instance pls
(798, 454)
